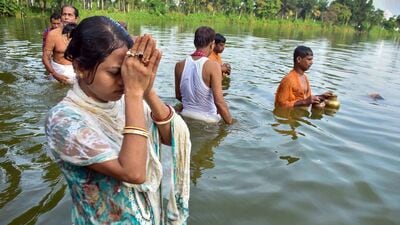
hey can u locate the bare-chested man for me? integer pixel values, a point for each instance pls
(53, 55)
(55, 22)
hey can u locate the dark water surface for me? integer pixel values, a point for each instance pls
(336, 167)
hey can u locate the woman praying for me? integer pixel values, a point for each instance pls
(107, 132)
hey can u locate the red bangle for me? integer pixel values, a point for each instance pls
(166, 119)
(161, 120)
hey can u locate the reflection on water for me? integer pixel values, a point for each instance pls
(289, 159)
(288, 119)
(226, 83)
(205, 138)
(285, 167)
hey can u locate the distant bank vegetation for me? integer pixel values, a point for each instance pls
(360, 15)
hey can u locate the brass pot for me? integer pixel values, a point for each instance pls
(332, 103)
(332, 97)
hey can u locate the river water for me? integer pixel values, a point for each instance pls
(332, 167)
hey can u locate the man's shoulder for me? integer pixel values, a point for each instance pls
(289, 78)
(180, 64)
(211, 63)
(179, 67)
(212, 70)
(55, 32)
(290, 75)
(213, 56)
(212, 67)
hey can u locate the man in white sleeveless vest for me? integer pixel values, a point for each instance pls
(198, 82)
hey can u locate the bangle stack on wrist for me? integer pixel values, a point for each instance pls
(167, 119)
(136, 130)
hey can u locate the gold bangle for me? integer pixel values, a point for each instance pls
(135, 128)
(137, 132)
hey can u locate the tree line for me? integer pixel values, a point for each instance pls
(361, 14)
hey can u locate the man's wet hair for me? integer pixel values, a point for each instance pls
(302, 51)
(55, 16)
(68, 28)
(203, 36)
(219, 38)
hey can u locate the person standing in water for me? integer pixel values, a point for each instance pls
(215, 55)
(294, 89)
(198, 82)
(106, 134)
(53, 55)
(55, 22)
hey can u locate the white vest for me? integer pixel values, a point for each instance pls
(197, 97)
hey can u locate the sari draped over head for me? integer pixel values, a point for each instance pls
(110, 119)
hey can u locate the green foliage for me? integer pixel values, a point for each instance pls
(304, 8)
(288, 7)
(337, 14)
(267, 9)
(361, 12)
(248, 7)
(392, 23)
(376, 17)
(8, 8)
(157, 7)
(322, 5)
(327, 13)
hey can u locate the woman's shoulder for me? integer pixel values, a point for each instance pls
(62, 109)
(64, 115)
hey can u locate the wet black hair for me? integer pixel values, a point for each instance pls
(76, 12)
(55, 16)
(203, 36)
(301, 51)
(219, 38)
(93, 40)
(68, 28)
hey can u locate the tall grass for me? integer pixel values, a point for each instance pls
(218, 19)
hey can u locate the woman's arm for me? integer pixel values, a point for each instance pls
(130, 166)
(160, 112)
(138, 76)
